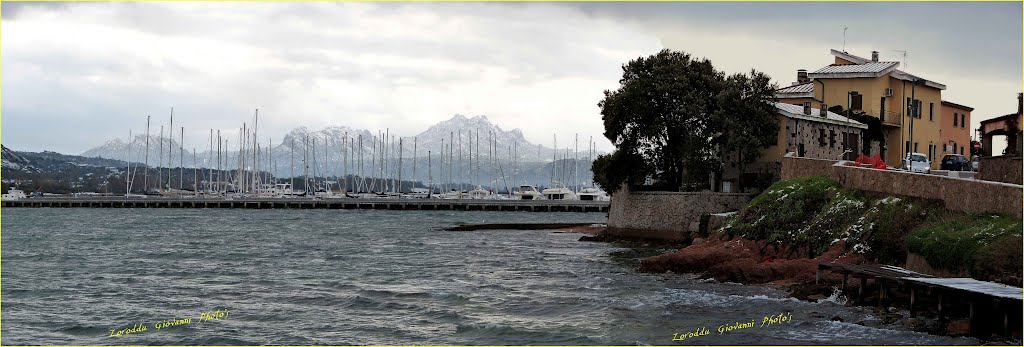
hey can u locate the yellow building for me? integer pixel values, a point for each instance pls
(879, 89)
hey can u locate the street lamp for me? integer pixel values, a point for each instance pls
(913, 111)
(849, 114)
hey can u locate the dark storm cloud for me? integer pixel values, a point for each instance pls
(975, 37)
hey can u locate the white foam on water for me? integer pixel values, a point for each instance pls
(837, 297)
(701, 298)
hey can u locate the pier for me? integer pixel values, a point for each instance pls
(316, 203)
(991, 308)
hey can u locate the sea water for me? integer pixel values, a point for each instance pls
(308, 277)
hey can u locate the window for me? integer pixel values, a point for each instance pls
(907, 147)
(961, 150)
(931, 111)
(915, 108)
(832, 138)
(915, 146)
(963, 124)
(857, 102)
(821, 137)
(881, 114)
(955, 119)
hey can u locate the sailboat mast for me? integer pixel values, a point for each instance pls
(291, 176)
(515, 156)
(478, 156)
(430, 175)
(218, 161)
(170, 149)
(195, 173)
(209, 164)
(344, 162)
(414, 153)
(575, 163)
(145, 173)
(255, 146)
(554, 158)
(181, 160)
(441, 167)
(399, 164)
(160, 164)
(127, 175)
(461, 171)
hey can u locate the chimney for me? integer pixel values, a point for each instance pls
(824, 110)
(801, 76)
(874, 56)
(807, 107)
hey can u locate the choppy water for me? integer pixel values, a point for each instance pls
(70, 276)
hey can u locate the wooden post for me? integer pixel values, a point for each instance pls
(860, 291)
(970, 317)
(881, 290)
(942, 313)
(913, 300)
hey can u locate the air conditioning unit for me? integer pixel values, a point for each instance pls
(888, 91)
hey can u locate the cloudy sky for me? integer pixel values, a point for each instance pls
(78, 74)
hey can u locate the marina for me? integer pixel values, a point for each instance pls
(317, 203)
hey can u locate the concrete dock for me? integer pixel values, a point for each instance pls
(315, 203)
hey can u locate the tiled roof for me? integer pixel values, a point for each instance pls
(897, 73)
(953, 104)
(796, 111)
(798, 88)
(872, 67)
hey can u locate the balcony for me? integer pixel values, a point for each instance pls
(889, 118)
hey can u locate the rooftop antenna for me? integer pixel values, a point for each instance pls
(844, 38)
(904, 58)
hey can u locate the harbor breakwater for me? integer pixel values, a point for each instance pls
(314, 203)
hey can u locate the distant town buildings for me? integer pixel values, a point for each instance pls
(879, 89)
(956, 129)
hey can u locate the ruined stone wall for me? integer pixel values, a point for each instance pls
(667, 215)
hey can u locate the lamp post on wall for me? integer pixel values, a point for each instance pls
(849, 115)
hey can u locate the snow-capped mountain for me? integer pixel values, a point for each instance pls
(337, 150)
(160, 149)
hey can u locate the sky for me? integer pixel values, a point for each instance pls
(75, 75)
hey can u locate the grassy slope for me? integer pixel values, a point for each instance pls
(811, 213)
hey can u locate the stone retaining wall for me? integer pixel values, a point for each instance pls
(666, 215)
(958, 194)
(1001, 169)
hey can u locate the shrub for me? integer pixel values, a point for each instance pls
(986, 245)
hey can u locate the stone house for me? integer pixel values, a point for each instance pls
(807, 131)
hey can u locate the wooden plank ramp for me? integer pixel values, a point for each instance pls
(1002, 303)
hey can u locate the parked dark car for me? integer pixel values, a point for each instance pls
(955, 162)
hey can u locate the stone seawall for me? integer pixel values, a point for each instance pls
(666, 215)
(958, 194)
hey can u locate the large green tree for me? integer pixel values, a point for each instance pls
(671, 113)
(746, 119)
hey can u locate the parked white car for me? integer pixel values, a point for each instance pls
(917, 162)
